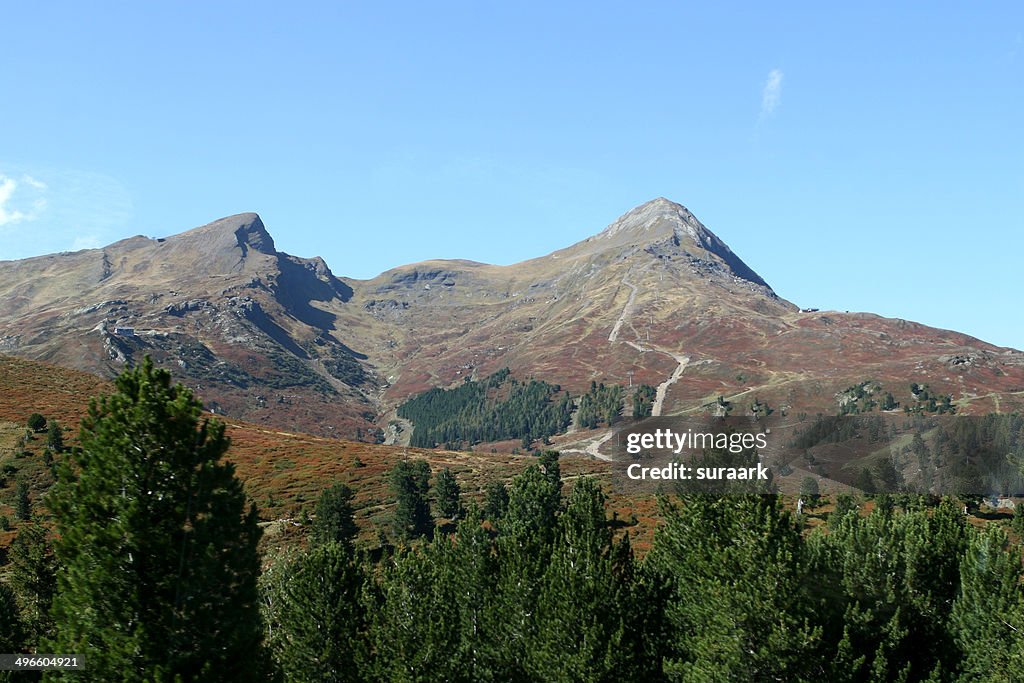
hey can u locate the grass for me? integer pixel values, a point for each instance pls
(283, 472)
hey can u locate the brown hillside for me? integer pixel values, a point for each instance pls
(278, 340)
(283, 472)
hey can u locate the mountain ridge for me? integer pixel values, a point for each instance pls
(274, 338)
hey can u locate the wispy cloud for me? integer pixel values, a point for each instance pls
(771, 95)
(20, 199)
(38, 184)
(64, 208)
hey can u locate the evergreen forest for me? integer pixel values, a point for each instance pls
(150, 568)
(497, 408)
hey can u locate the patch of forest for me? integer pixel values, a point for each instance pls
(496, 408)
(969, 456)
(867, 396)
(602, 405)
(643, 400)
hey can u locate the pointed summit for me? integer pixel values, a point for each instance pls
(244, 231)
(224, 245)
(654, 217)
(667, 229)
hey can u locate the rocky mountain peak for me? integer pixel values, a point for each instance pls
(244, 230)
(653, 218)
(252, 233)
(224, 245)
(665, 227)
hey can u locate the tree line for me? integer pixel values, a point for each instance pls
(497, 408)
(542, 588)
(153, 574)
(967, 455)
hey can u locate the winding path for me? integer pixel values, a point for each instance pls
(626, 310)
(593, 447)
(659, 397)
(659, 400)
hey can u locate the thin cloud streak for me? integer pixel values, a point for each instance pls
(771, 96)
(66, 209)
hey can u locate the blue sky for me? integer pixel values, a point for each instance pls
(859, 157)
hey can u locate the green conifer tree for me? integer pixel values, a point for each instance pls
(988, 616)
(552, 470)
(416, 621)
(33, 577)
(588, 626)
(318, 618)
(55, 437)
(335, 519)
(12, 635)
(809, 491)
(36, 422)
(887, 583)
(448, 493)
(158, 548)
(496, 501)
(737, 608)
(525, 537)
(410, 482)
(22, 502)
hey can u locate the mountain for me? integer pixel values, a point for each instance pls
(654, 298)
(219, 305)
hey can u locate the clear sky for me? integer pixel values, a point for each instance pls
(863, 156)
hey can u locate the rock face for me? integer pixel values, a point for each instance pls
(219, 305)
(278, 339)
(671, 230)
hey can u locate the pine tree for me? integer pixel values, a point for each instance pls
(588, 625)
(318, 618)
(416, 621)
(12, 635)
(410, 482)
(887, 583)
(737, 608)
(496, 501)
(335, 521)
(448, 492)
(55, 437)
(469, 568)
(1017, 524)
(809, 491)
(33, 576)
(36, 422)
(865, 482)
(552, 470)
(889, 402)
(845, 504)
(534, 502)
(22, 503)
(988, 617)
(158, 547)
(525, 537)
